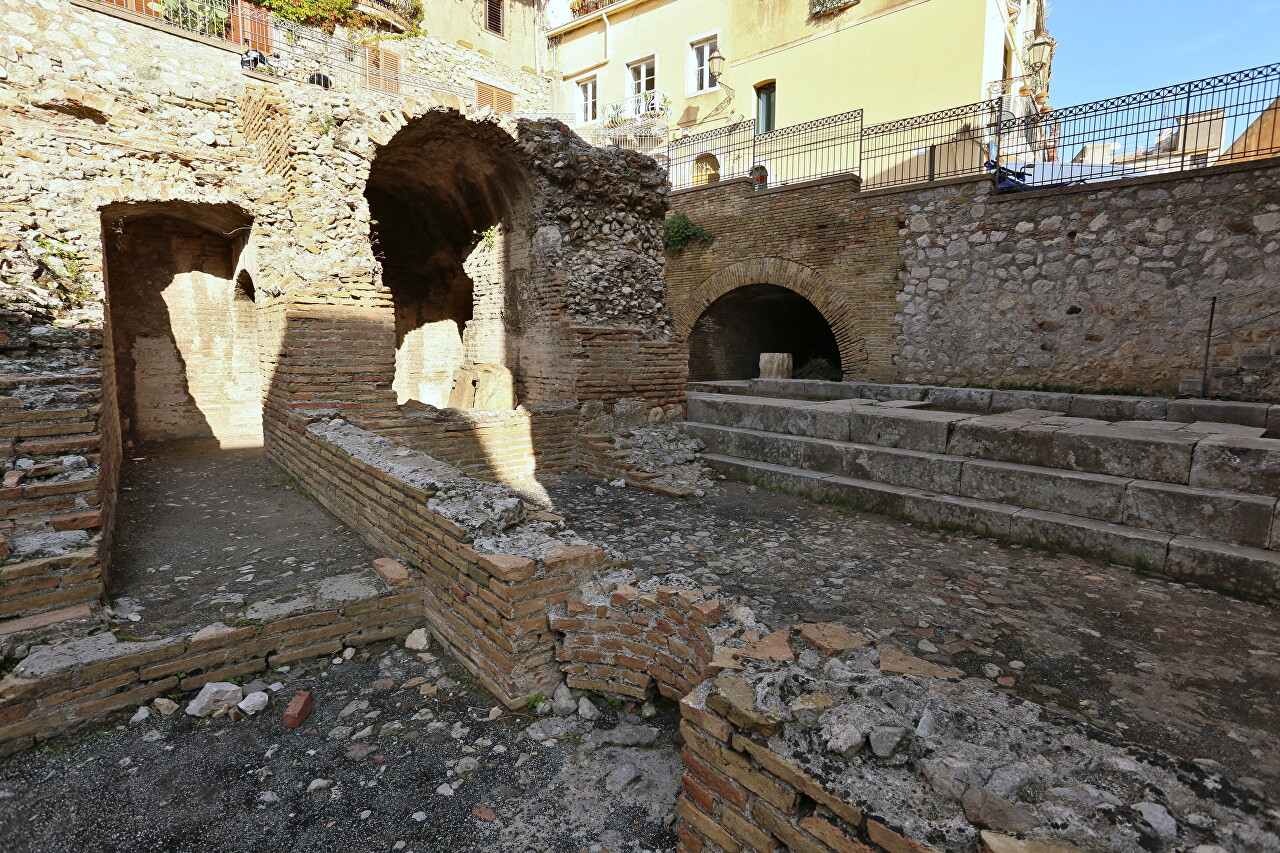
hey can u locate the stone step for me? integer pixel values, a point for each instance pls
(1231, 517)
(1252, 572)
(1206, 455)
(1108, 407)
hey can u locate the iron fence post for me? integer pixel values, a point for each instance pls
(1208, 339)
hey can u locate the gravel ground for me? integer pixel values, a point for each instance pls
(1183, 669)
(179, 783)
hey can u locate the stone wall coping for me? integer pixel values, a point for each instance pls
(1140, 180)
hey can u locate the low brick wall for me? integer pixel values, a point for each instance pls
(634, 642)
(63, 687)
(487, 607)
(50, 571)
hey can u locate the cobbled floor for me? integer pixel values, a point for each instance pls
(1187, 670)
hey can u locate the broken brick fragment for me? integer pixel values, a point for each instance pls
(299, 709)
(830, 639)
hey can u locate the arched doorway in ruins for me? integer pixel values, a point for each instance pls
(728, 337)
(449, 215)
(181, 323)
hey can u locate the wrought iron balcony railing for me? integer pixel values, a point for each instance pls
(286, 49)
(586, 7)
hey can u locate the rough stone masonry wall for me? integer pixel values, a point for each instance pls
(1098, 287)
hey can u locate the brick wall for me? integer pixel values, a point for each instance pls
(487, 607)
(87, 680)
(815, 239)
(632, 643)
(51, 568)
(185, 344)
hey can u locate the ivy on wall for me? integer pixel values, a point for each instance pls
(326, 15)
(678, 230)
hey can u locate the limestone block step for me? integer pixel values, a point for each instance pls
(1225, 411)
(1135, 547)
(1099, 496)
(954, 512)
(1233, 517)
(1124, 451)
(1250, 571)
(914, 429)
(1238, 518)
(917, 469)
(1237, 463)
(791, 417)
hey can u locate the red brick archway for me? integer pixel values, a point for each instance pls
(793, 276)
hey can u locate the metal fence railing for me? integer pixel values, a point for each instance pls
(944, 144)
(815, 149)
(287, 49)
(1229, 118)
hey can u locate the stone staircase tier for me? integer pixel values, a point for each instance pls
(1196, 501)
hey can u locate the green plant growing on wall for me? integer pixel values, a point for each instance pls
(678, 231)
(326, 15)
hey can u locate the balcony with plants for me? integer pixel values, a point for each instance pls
(579, 8)
(640, 122)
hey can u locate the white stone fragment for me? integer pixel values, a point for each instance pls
(216, 697)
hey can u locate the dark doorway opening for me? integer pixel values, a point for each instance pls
(729, 337)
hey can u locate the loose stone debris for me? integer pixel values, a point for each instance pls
(432, 774)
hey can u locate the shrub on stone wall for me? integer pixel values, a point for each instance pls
(678, 230)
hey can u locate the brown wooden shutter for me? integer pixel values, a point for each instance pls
(382, 69)
(495, 98)
(493, 16)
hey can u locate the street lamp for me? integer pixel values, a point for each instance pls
(1041, 52)
(715, 63)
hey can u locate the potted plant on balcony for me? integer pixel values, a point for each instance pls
(656, 104)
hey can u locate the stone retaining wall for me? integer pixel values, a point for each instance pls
(1096, 287)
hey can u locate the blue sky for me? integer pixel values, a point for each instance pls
(1114, 47)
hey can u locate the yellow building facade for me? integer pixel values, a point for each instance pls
(785, 62)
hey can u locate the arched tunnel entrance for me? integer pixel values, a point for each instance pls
(447, 203)
(729, 336)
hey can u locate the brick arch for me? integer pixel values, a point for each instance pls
(794, 277)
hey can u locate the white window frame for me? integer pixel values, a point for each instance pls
(691, 82)
(583, 103)
(631, 87)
